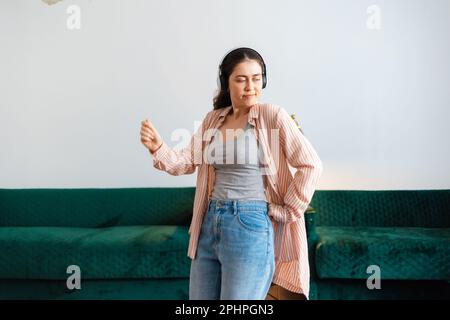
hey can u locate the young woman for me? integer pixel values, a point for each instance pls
(248, 227)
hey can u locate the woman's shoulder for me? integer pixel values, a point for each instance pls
(269, 108)
(270, 111)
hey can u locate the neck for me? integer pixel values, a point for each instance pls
(238, 112)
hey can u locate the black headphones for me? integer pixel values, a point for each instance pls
(222, 79)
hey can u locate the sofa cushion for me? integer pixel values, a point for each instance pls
(401, 253)
(101, 253)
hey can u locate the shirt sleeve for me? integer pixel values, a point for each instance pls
(301, 155)
(184, 161)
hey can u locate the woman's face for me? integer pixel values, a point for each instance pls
(245, 83)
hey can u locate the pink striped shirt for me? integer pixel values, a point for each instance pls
(282, 144)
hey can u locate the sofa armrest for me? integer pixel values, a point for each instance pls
(310, 221)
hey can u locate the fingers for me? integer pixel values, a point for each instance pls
(148, 131)
(148, 124)
(147, 135)
(145, 126)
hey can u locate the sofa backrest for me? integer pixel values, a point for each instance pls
(96, 208)
(384, 208)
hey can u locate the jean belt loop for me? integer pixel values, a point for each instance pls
(235, 207)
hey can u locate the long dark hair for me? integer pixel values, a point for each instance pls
(233, 58)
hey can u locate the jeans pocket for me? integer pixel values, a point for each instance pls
(253, 220)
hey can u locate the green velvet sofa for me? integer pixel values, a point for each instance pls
(131, 243)
(405, 234)
(128, 243)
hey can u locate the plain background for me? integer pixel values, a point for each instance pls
(373, 102)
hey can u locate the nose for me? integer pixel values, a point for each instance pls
(250, 85)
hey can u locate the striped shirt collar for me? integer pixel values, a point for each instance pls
(253, 113)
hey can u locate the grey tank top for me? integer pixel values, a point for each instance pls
(237, 167)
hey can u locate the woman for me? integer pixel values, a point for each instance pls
(248, 228)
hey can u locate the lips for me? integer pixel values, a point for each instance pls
(248, 96)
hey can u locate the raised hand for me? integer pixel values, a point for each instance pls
(150, 137)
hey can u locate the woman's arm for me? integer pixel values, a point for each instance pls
(301, 155)
(178, 162)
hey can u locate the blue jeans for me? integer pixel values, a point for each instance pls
(235, 258)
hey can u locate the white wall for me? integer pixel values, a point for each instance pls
(374, 103)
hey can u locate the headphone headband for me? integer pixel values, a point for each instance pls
(223, 81)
